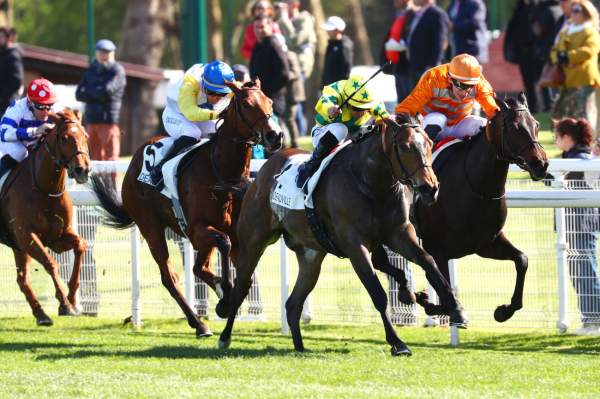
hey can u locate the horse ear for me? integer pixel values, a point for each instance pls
(234, 86)
(554, 123)
(78, 115)
(522, 98)
(257, 82)
(502, 104)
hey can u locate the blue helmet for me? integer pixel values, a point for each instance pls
(214, 77)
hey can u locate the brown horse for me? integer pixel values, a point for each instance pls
(361, 203)
(471, 209)
(210, 190)
(37, 210)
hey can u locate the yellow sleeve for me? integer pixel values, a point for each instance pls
(330, 97)
(418, 98)
(187, 101)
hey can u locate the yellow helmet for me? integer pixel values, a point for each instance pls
(465, 68)
(363, 98)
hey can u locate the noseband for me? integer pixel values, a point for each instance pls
(406, 177)
(257, 136)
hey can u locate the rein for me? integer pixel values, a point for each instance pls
(407, 175)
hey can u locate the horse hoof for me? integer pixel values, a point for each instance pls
(503, 313)
(44, 321)
(222, 309)
(67, 310)
(459, 319)
(400, 350)
(203, 332)
(224, 344)
(407, 297)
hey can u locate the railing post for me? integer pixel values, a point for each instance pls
(561, 261)
(454, 337)
(135, 278)
(188, 265)
(283, 262)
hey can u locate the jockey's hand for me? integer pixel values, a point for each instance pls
(36, 132)
(333, 111)
(381, 120)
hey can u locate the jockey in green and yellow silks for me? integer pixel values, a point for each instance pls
(333, 124)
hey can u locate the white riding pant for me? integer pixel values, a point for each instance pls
(467, 127)
(177, 125)
(339, 130)
(16, 149)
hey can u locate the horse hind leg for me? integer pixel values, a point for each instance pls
(22, 261)
(502, 249)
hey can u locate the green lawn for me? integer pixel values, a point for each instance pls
(100, 358)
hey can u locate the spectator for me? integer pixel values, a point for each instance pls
(576, 51)
(11, 68)
(427, 39)
(469, 29)
(241, 73)
(395, 47)
(101, 89)
(339, 55)
(259, 9)
(574, 138)
(269, 63)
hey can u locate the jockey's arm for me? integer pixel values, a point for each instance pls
(328, 99)
(379, 112)
(485, 97)
(10, 130)
(417, 99)
(187, 101)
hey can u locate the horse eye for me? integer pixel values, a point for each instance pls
(65, 137)
(404, 147)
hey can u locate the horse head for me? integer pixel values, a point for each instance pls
(514, 133)
(255, 110)
(409, 151)
(67, 144)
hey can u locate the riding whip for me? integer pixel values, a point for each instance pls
(381, 68)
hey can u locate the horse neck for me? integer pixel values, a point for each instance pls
(486, 172)
(232, 159)
(49, 177)
(376, 172)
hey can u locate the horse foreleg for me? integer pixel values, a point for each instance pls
(23, 279)
(70, 240)
(382, 263)
(502, 249)
(406, 244)
(204, 239)
(36, 249)
(359, 256)
(170, 279)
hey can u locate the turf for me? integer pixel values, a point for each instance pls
(85, 357)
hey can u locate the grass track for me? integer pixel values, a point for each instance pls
(99, 358)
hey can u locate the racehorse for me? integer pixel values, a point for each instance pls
(210, 190)
(471, 209)
(361, 203)
(36, 209)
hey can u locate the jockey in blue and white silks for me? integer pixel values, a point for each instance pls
(193, 107)
(25, 121)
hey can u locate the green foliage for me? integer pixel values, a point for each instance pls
(82, 357)
(62, 24)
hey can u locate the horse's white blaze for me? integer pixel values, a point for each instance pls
(419, 138)
(74, 129)
(274, 126)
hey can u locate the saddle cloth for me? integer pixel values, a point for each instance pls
(439, 156)
(287, 194)
(154, 153)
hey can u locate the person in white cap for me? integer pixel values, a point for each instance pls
(339, 55)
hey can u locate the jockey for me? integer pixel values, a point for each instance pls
(334, 124)
(25, 121)
(193, 107)
(445, 95)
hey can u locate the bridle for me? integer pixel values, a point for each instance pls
(407, 175)
(55, 155)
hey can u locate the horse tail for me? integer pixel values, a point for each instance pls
(115, 214)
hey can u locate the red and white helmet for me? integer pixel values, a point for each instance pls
(41, 91)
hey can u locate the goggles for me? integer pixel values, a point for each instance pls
(356, 109)
(215, 94)
(462, 86)
(42, 107)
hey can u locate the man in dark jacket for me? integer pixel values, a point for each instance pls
(339, 55)
(269, 63)
(469, 29)
(427, 40)
(11, 69)
(102, 91)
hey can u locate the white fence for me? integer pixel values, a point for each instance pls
(120, 278)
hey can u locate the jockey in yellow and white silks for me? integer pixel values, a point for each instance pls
(193, 106)
(446, 94)
(333, 124)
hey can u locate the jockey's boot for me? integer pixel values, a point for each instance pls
(432, 131)
(6, 164)
(178, 145)
(306, 170)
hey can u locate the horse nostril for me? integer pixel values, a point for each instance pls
(78, 170)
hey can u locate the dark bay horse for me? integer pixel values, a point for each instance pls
(471, 209)
(361, 203)
(36, 209)
(210, 190)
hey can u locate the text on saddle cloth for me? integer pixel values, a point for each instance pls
(286, 194)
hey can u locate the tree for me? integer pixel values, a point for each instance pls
(361, 38)
(215, 22)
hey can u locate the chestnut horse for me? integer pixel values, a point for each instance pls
(471, 209)
(361, 203)
(210, 190)
(36, 209)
